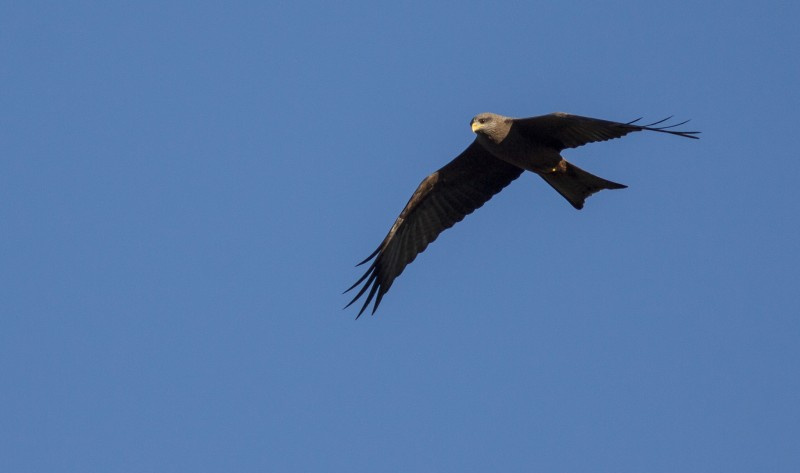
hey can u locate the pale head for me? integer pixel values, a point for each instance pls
(491, 125)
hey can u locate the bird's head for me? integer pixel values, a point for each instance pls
(491, 125)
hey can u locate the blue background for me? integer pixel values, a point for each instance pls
(185, 187)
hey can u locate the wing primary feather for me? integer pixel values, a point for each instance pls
(360, 280)
(381, 292)
(374, 288)
(377, 250)
(660, 121)
(362, 291)
(673, 126)
(663, 129)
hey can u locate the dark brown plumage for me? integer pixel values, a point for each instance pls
(503, 149)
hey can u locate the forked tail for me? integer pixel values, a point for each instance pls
(575, 184)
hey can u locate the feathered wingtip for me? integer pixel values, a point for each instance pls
(371, 277)
(665, 129)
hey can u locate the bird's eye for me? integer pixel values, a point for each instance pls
(481, 121)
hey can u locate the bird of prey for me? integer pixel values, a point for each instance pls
(503, 148)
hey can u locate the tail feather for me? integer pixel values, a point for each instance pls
(575, 184)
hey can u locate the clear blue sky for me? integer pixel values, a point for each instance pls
(186, 186)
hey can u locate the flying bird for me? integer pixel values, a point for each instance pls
(503, 148)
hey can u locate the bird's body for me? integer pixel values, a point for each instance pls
(503, 149)
(506, 142)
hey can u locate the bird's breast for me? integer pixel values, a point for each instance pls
(523, 154)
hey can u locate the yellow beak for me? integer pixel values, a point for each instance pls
(475, 127)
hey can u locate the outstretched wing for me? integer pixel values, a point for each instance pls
(442, 199)
(562, 130)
